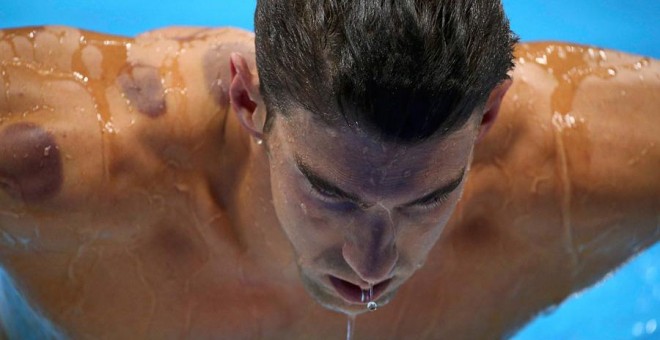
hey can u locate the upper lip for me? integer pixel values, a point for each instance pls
(355, 293)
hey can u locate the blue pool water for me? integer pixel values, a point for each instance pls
(624, 306)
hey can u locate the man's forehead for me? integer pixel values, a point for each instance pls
(351, 156)
(303, 121)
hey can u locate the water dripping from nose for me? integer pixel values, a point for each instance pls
(367, 295)
(350, 326)
(371, 305)
(371, 292)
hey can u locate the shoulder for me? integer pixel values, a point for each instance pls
(577, 143)
(578, 90)
(86, 109)
(600, 104)
(191, 68)
(578, 121)
(190, 33)
(204, 41)
(567, 73)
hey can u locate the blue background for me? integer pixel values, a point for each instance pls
(624, 306)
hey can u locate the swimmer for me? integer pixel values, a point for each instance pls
(205, 183)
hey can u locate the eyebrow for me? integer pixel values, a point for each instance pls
(325, 185)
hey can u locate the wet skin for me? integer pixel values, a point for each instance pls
(133, 203)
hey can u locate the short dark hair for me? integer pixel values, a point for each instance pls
(405, 70)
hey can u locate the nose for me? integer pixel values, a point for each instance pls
(371, 251)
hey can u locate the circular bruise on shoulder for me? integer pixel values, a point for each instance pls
(142, 85)
(30, 163)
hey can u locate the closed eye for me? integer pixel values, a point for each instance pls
(431, 202)
(335, 202)
(436, 198)
(324, 194)
(323, 189)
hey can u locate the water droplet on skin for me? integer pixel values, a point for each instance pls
(368, 296)
(592, 53)
(561, 53)
(570, 120)
(611, 71)
(304, 208)
(543, 60)
(260, 141)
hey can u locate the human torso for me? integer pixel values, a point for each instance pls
(143, 237)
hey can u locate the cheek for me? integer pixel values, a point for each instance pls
(420, 238)
(415, 245)
(422, 234)
(288, 203)
(302, 219)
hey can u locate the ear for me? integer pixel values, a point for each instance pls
(492, 107)
(245, 98)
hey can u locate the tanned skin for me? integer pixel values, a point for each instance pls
(135, 204)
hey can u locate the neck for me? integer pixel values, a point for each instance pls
(242, 189)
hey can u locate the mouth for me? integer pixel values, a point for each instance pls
(355, 294)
